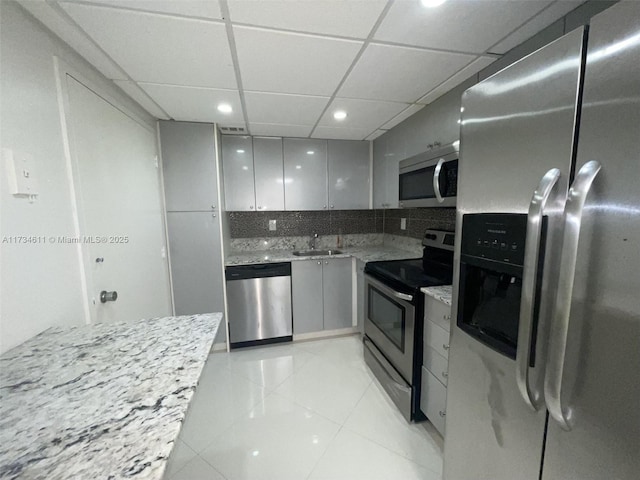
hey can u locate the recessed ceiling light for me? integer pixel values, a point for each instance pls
(432, 3)
(225, 108)
(240, 151)
(339, 114)
(298, 167)
(310, 152)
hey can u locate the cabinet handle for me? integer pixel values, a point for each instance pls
(319, 263)
(446, 317)
(213, 215)
(326, 262)
(445, 374)
(259, 208)
(324, 206)
(250, 207)
(213, 207)
(442, 414)
(331, 206)
(445, 346)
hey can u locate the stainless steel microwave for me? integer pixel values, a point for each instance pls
(430, 179)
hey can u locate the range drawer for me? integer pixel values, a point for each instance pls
(433, 400)
(436, 364)
(437, 338)
(437, 312)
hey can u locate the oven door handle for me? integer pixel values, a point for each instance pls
(386, 289)
(436, 180)
(533, 397)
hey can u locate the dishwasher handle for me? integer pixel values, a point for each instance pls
(260, 270)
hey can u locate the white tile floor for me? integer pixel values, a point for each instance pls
(309, 410)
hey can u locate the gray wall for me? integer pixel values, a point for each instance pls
(438, 121)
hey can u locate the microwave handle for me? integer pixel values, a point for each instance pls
(436, 180)
(529, 279)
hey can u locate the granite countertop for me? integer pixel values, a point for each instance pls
(100, 401)
(365, 254)
(442, 293)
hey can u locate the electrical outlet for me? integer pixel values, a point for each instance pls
(403, 224)
(272, 225)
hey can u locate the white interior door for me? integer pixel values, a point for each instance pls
(121, 222)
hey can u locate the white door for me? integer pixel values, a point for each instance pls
(120, 211)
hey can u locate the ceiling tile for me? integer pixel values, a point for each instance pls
(135, 92)
(541, 21)
(284, 109)
(190, 8)
(460, 25)
(196, 104)
(349, 18)
(376, 134)
(75, 37)
(363, 114)
(400, 74)
(279, 130)
(333, 133)
(292, 63)
(457, 79)
(160, 49)
(406, 113)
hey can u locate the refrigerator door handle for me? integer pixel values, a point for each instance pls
(529, 282)
(562, 308)
(436, 180)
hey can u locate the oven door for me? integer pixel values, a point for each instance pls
(390, 325)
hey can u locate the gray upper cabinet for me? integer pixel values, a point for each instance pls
(385, 182)
(188, 166)
(305, 174)
(348, 163)
(306, 296)
(269, 173)
(337, 289)
(237, 166)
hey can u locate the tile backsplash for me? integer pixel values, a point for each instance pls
(344, 222)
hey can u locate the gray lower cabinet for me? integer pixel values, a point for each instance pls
(360, 289)
(337, 292)
(321, 294)
(188, 166)
(435, 361)
(306, 296)
(195, 262)
(348, 163)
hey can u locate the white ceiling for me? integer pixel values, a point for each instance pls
(286, 65)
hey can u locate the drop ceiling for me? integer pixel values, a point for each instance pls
(284, 66)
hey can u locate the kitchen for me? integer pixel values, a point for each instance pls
(270, 176)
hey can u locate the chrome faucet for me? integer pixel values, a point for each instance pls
(313, 241)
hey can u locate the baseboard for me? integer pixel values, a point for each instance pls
(340, 332)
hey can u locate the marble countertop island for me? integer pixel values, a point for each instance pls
(365, 254)
(101, 401)
(442, 293)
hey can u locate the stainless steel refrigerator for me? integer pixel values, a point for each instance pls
(544, 363)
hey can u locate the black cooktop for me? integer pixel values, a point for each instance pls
(408, 276)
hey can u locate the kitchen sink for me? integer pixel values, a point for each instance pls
(312, 253)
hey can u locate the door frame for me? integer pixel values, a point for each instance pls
(62, 70)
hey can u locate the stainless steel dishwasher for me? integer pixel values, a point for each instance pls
(259, 301)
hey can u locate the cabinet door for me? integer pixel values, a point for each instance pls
(188, 166)
(361, 294)
(306, 295)
(196, 262)
(348, 162)
(433, 400)
(337, 286)
(392, 185)
(237, 167)
(305, 174)
(379, 181)
(269, 173)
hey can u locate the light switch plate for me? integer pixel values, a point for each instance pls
(272, 225)
(20, 173)
(403, 224)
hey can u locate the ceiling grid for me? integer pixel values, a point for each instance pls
(282, 67)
